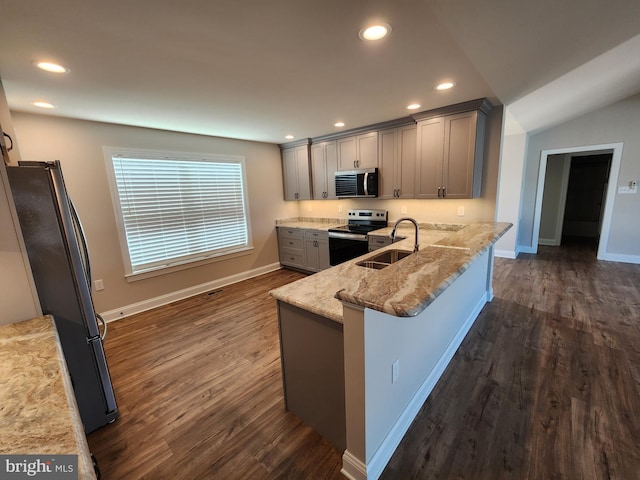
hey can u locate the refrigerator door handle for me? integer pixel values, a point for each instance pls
(104, 324)
(83, 240)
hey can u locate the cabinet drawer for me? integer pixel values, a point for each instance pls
(317, 234)
(291, 243)
(378, 242)
(291, 258)
(290, 232)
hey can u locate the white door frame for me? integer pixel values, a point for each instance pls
(611, 190)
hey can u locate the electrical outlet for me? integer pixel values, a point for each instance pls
(309, 208)
(461, 211)
(403, 209)
(628, 189)
(98, 285)
(339, 208)
(395, 370)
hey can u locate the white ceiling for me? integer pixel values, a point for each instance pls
(257, 70)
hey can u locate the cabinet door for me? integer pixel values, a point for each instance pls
(290, 174)
(388, 150)
(459, 154)
(304, 179)
(367, 150)
(331, 158)
(430, 154)
(347, 153)
(319, 171)
(406, 169)
(323, 254)
(324, 163)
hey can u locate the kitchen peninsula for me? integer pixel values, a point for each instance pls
(362, 348)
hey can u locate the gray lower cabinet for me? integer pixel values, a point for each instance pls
(378, 241)
(303, 249)
(291, 247)
(312, 356)
(316, 250)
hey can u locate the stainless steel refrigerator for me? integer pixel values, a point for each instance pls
(59, 259)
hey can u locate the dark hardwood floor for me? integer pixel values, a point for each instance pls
(545, 385)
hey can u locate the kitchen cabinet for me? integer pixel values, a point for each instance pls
(397, 156)
(295, 167)
(378, 241)
(449, 155)
(324, 163)
(316, 250)
(312, 356)
(291, 247)
(303, 249)
(358, 151)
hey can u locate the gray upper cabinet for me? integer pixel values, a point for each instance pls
(449, 155)
(324, 162)
(295, 166)
(397, 156)
(358, 151)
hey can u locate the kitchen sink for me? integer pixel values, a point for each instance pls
(383, 259)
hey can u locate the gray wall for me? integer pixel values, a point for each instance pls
(616, 123)
(552, 201)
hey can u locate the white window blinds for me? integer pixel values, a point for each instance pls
(174, 210)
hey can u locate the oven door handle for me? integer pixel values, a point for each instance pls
(348, 236)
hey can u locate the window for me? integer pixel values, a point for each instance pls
(173, 209)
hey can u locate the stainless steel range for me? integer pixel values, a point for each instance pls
(350, 240)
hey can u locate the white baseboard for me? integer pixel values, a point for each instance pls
(523, 249)
(145, 305)
(552, 242)
(619, 257)
(505, 253)
(352, 467)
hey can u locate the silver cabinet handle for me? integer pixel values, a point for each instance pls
(444, 192)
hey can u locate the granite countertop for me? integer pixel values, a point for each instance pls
(38, 412)
(404, 288)
(311, 223)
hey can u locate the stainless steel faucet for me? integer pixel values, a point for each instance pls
(395, 228)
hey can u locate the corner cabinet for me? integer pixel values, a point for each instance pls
(397, 152)
(324, 163)
(358, 151)
(450, 152)
(295, 168)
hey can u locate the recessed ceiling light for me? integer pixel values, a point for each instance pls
(338, 124)
(413, 106)
(42, 104)
(445, 86)
(51, 67)
(289, 137)
(375, 32)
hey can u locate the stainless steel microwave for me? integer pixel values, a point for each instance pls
(357, 183)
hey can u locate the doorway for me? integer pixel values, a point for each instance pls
(584, 212)
(573, 199)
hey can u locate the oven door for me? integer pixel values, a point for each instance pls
(345, 246)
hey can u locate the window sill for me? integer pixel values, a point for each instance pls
(176, 267)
